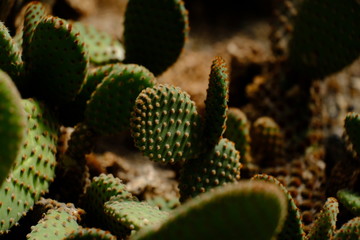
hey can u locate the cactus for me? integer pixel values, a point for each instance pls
(56, 52)
(238, 131)
(12, 124)
(34, 166)
(238, 205)
(163, 29)
(349, 230)
(109, 109)
(216, 103)
(351, 200)
(325, 225)
(214, 168)
(103, 48)
(133, 215)
(90, 234)
(165, 124)
(292, 228)
(57, 224)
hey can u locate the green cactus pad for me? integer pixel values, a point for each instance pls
(325, 224)
(155, 33)
(109, 109)
(292, 228)
(217, 167)
(351, 200)
(90, 234)
(73, 112)
(268, 146)
(238, 131)
(55, 225)
(325, 37)
(133, 215)
(59, 61)
(101, 189)
(34, 167)
(10, 57)
(216, 102)
(164, 203)
(349, 231)
(352, 128)
(246, 210)
(103, 48)
(34, 12)
(165, 124)
(12, 124)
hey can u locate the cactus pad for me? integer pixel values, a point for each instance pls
(246, 210)
(12, 124)
(59, 62)
(90, 234)
(10, 59)
(103, 48)
(238, 131)
(325, 37)
(133, 215)
(55, 225)
(292, 228)
(211, 169)
(34, 167)
(349, 231)
(34, 12)
(351, 200)
(165, 124)
(155, 33)
(325, 224)
(109, 109)
(216, 102)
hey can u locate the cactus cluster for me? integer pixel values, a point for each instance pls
(64, 73)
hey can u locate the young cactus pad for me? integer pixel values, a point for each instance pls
(350, 199)
(59, 60)
(325, 37)
(165, 124)
(214, 168)
(90, 234)
(34, 168)
(216, 102)
(155, 33)
(325, 224)
(12, 124)
(103, 47)
(109, 109)
(243, 211)
(349, 231)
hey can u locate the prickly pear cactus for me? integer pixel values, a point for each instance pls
(103, 48)
(216, 102)
(34, 166)
(214, 168)
(90, 234)
(349, 231)
(292, 228)
(155, 38)
(165, 124)
(10, 57)
(56, 224)
(109, 109)
(12, 124)
(350, 199)
(325, 225)
(56, 53)
(237, 205)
